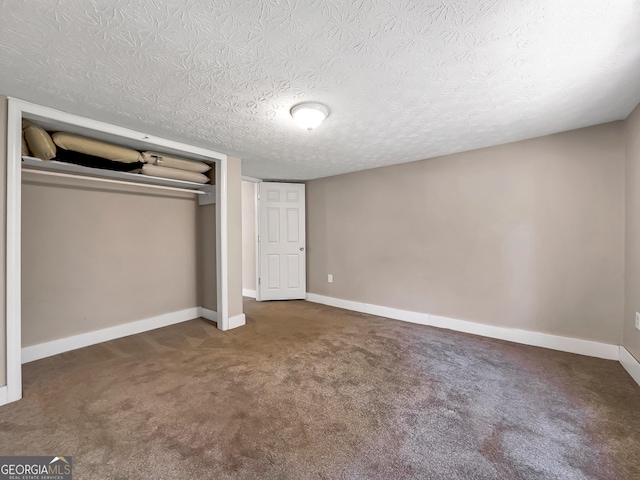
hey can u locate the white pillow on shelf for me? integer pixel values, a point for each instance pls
(162, 160)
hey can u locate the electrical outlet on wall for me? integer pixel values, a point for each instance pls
(638, 320)
(330, 280)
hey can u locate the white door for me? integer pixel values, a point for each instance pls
(282, 266)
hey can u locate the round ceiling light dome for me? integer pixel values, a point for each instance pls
(309, 114)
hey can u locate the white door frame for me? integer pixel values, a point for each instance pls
(256, 220)
(13, 312)
(257, 211)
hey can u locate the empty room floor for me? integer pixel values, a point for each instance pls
(306, 391)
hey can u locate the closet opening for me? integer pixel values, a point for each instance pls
(101, 251)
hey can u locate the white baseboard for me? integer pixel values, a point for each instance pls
(545, 340)
(248, 293)
(234, 322)
(209, 314)
(535, 339)
(47, 349)
(237, 321)
(630, 364)
(4, 395)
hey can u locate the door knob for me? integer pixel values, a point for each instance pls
(302, 249)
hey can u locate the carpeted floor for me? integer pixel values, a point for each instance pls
(306, 391)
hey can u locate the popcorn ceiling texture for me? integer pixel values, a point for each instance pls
(405, 79)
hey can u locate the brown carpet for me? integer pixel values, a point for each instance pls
(306, 391)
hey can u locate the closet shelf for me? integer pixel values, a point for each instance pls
(55, 168)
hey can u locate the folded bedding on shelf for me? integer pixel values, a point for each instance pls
(173, 173)
(38, 141)
(77, 158)
(96, 148)
(162, 160)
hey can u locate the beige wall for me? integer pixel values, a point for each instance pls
(631, 336)
(95, 257)
(527, 235)
(206, 245)
(3, 235)
(234, 234)
(249, 235)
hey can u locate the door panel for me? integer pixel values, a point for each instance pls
(293, 267)
(281, 241)
(293, 225)
(273, 225)
(273, 272)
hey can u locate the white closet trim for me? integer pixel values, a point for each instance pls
(13, 246)
(222, 246)
(109, 180)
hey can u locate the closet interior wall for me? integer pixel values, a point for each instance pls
(95, 256)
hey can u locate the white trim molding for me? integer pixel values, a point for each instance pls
(545, 340)
(251, 179)
(248, 293)
(256, 240)
(237, 321)
(13, 292)
(48, 349)
(234, 322)
(630, 364)
(222, 248)
(527, 337)
(211, 315)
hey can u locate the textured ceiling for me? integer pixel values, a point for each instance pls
(404, 79)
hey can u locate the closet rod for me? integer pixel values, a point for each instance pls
(108, 180)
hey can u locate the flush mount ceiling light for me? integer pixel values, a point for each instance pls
(309, 114)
